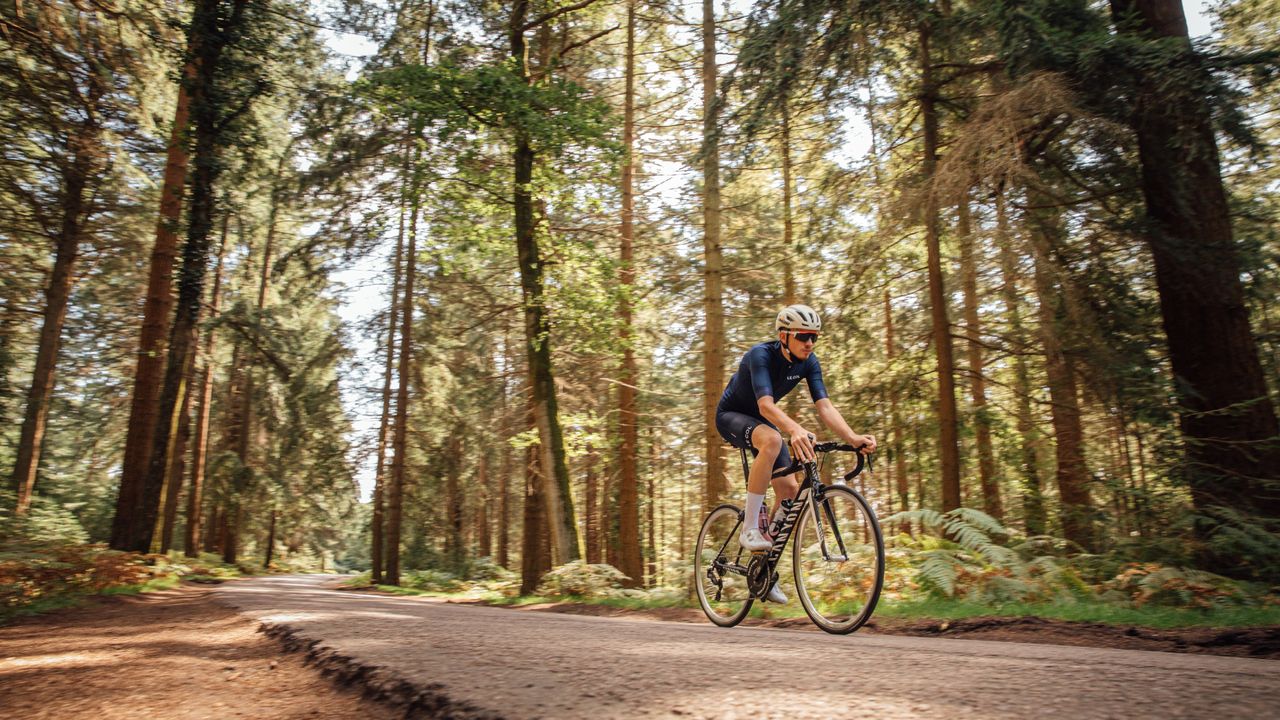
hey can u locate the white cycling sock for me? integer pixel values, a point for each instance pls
(754, 503)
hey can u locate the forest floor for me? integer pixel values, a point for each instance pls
(178, 654)
(171, 654)
(1255, 642)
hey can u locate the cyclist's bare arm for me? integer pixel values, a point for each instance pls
(832, 418)
(801, 443)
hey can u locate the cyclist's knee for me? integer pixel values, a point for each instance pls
(767, 440)
(787, 486)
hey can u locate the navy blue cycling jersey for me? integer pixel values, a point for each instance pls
(764, 371)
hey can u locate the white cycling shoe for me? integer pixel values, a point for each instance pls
(775, 595)
(754, 540)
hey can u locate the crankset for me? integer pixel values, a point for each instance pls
(760, 575)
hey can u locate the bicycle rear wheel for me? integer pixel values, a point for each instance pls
(838, 559)
(720, 567)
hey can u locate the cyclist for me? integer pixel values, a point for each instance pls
(748, 416)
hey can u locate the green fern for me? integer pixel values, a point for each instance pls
(938, 572)
(926, 517)
(966, 536)
(980, 520)
(967, 553)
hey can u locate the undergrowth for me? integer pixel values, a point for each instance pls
(955, 565)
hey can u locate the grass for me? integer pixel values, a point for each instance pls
(43, 605)
(1156, 617)
(1165, 618)
(61, 601)
(163, 582)
(624, 603)
(169, 573)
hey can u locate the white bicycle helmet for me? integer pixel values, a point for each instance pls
(797, 318)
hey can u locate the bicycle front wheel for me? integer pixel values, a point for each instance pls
(838, 559)
(720, 567)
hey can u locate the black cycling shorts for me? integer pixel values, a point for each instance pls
(736, 428)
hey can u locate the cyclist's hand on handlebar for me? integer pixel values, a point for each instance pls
(867, 443)
(802, 445)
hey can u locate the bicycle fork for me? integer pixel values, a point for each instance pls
(805, 502)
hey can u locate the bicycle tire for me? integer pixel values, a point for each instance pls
(839, 596)
(728, 603)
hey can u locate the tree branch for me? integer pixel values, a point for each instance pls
(580, 43)
(547, 17)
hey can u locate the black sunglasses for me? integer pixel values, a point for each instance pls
(805, 337)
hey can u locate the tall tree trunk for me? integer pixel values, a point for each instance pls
(482, 507)
(395, 494)
(504, 481)
(87, 151)
(559, 511)
(653, 485)
(987, 480)
(788, 234)
(948, 436)
(1072, 474)
(163, 539)
(628, 491)
(1228, 421)
(712, 300)
(1033, 511)
(8, 324)
(593, 509)
(453, 539)
(535, 561)
(195, 497)
(156, 315)
(234, 440)
(213, 535)
(210, 138)
(921, 497)
(899, 448)
(660, 501)
(377, 550)
(271, 541)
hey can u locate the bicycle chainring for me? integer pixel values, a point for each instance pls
(760, 576)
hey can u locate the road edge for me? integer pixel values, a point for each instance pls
(374, 682)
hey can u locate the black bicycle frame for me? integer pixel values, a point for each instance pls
(811, 491)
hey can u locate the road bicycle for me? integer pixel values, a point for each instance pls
(837, 559)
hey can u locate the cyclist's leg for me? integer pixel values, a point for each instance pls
(767, 442)
(761, 438)
(785, 488)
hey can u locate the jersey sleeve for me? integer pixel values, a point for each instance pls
(758, 364)
(817, 390)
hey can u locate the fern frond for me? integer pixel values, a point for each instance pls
(926, 516)
(980, 520)
(966, 535)
(938, 570)
(1002, 557)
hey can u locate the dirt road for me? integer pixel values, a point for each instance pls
(174, 655)
(468, 661)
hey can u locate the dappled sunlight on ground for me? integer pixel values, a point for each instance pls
(548, 665)
(167, 655)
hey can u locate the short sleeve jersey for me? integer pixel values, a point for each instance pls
(764, 371)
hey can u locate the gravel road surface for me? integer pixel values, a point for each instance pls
(474, 661)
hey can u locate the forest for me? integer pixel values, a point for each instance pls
(447, 291)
